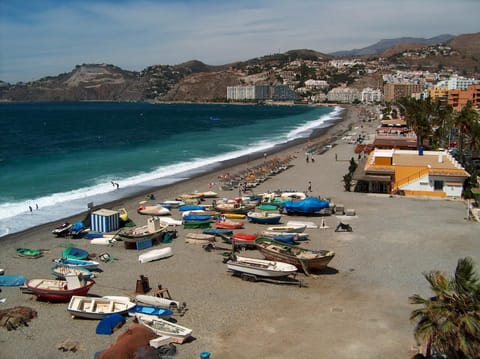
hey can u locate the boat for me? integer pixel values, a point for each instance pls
(169, 221)
(123, 214)
(78, 230)
(197, 224)
(97, 307)
(304, 259)
(156, 210)
(55, 290)
(172, 203)
(264, 217)
(199, 238)
(306, 206)
(244, 239)
(227, 224)
(187, 207)
(309, 225)
(63, 230)
(159, 302)
(77, 263)
(150, 310)
(196, 217)
(234, 215)
(267, 207)
(260, 267)
(164, 327)
(75, 253)
(29, 253)
(209, 194)
(155, 254)
(233, 208)
(289, 238)
(272, 234)
(61, 272)
(288, 228)
(292, 196)
(153, 230)
(186, 196)
(218, 231)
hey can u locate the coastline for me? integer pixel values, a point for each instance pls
(357, 307)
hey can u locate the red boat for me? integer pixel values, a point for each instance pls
(244, 239)
(229, 224)
(55, 290)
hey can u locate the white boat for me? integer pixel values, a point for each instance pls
(157, 301)
(288, 228)
(199, 238)
(98, 307)
(260, 267)
(104, 241)
(169, 221)
(310, 225)
(153, 230)
(156, 210)
(164, 327)
(172, 203)
(155, 254)
(293, 196)
(209, 194)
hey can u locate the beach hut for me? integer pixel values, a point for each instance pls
(105, 220)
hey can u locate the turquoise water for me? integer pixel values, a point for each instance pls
(60, 156)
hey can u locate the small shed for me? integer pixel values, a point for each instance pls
(105, 220)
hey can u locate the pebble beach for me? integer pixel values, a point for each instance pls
(356, 308)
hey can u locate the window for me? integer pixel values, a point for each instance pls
(438, 185)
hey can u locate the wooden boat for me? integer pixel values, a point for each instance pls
(97, 308)
(187, 207)
(209, 194)
(234, 215)
(264, 217)
(164, 327)
(155, 254)
(196, 217)
(61, 272)
(260, 267)
(197, 224)
(150, 310)
(63, 230)
(157, 210)
(169, 221)
(199, 238)
(218, 231)
(186, 196)
(227, 224)
(304, 259)
(77, 263)
(172, 203)
(233, 208)
(244, 239)
(75, 253)
(55, 290)
(153, 230)
(288, 228)
(29, 253)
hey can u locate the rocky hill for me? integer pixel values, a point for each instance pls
(196, 81)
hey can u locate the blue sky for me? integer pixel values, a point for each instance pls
(41, 38)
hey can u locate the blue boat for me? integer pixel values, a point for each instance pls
(75, 253)
(77, 263)
(197, 217)
(285, 238)
(308, 205)
(155, 311)
(264, 217)
(218, 231)
(187, 207)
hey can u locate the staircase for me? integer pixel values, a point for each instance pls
(409, 179)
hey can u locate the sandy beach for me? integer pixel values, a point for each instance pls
(356, 308)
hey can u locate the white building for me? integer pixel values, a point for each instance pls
(457, 82)
(343, 95)
(260, 92)
(369, 95)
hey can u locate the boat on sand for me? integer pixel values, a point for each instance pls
(155, 254)
(55, 290)
(260, 267)
(164, 327)
(97, 307)
(153, 230)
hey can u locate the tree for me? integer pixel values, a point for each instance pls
(449, 322)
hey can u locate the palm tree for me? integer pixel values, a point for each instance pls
(419, 115)
(467, 122)
(449, 322)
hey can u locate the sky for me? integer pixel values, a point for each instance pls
(41, 38)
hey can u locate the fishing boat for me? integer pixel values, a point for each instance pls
(264, 217)
(289, 238)
(244, 239)
(55, 290)
(172, 203)
(150, 310)
(153, 230)
(228, 224)
(260, 267)
(199, 238)
(307, 224)
(156, 210)
(304, 259)
(61, 272)
(155, 254)
(233, 208)
(97, 307)
(197, 224)
(158, 302)
(218, 231)
(273, 234)
(77, 263)
(288, 228)
(164, 327)
(63, 230)
(196, 217)
(306, 206)
(74, 253)
(29, 253)
(234, 215)
(187, 207)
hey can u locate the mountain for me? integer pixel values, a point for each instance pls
(381, 46)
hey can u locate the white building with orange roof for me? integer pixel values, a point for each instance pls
(412, 173)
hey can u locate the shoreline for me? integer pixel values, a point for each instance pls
(318, 136)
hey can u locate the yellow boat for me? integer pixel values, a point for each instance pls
(123, 214)
(233, 215)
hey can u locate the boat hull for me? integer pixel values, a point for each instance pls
(56, 292)
(259, 267)
(97, 308)
(155, 254)
(304, 259)
(264, 218)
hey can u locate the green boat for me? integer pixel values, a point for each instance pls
(267, 207)
(197, 224)
(29, 253)
(75, 253)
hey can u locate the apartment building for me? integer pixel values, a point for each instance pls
(394, 91)
(260, 93)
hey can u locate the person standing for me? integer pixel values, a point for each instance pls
(309, 186)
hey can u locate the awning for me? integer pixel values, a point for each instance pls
(373, 178)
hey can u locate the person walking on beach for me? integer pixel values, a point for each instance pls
(309, 186)
(117, 185)
(31, 209)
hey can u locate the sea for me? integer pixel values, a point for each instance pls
(57, 158)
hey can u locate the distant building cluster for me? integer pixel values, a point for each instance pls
(261, 93)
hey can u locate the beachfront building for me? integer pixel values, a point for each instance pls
(260, 93)
(411, 173)
(343, 95)
(395, 91)
(369, 95)
(457, 83)
(394, 134)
